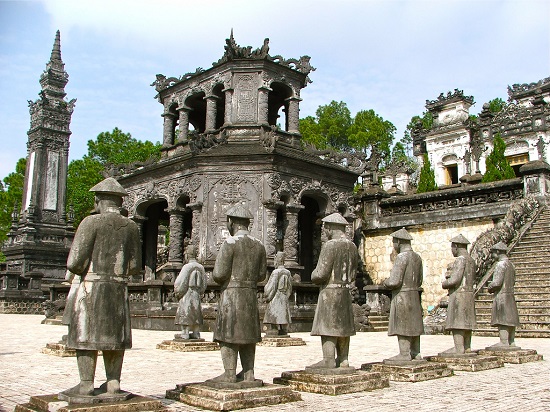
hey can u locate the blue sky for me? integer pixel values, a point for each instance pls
(389, 56)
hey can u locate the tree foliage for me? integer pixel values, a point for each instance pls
(109, 148)
(426, 181)
(497, 166)
(11, 194)
(370, 131)
(496, 105)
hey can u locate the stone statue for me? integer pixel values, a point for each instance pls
(240, 264)
(105, 252)
(505, 311)
(405, 309)
(188, 288)
(459, 280)
(277, 291)
(335, 272)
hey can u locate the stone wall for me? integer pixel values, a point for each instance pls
(431, 241)
(22, 306)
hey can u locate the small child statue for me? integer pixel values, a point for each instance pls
(277, 291)
(189, 287)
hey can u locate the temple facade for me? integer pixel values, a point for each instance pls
(231, 135)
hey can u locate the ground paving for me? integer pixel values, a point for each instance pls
(25, 371)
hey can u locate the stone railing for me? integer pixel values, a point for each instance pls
(21, 294)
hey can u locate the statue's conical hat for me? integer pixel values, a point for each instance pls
(402, 234)
(109, 186)
(500, 246)
(240, 211)
(461, 240)
(335, 219)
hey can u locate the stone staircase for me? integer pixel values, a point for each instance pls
(531, 258)
(379, 323)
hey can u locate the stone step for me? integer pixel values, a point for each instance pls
(540, 287)
(523, 318)
(486, 324)
(533, 283)
(520, 333)
(524, 311)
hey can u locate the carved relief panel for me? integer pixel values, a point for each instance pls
(246, 97)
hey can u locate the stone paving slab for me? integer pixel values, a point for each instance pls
(147, 371)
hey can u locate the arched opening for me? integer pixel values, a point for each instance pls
(309, 236)
(220, 105)
(197, 115)
(450, 167)
(187, 221)
(277, 100)
(156, 216)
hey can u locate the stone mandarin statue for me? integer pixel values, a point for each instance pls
(405, 282)
(277, 291)
(459, 280)
(240, 264)
(188, 288)
(335, 272)
(505, 311)
(105, 252)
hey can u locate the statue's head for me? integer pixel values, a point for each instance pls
(459, 244)
(190, 252)
(499, 250)
(401, 238)
(238, 218)
(108, 194)
(334, 224)
(279, 259)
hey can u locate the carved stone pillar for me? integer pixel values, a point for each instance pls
(183, 123)
(196, 209)
(211, 112)
(263, 106)
(168, 133)
(293, 114)
(140, 220)
(175, 250)
(291, 239)
(271, 207)
(228, 106)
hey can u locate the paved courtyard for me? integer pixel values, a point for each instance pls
(25, 371)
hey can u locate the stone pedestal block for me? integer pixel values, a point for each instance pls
(468, 363)
(203, 396)
(188, 345)
(416, 371)
(58, 349)
(280, 341)
(513, 356)
(333, 384)
(46, 403)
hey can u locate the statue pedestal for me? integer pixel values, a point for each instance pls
(335, 381)
(512, 356)
(280, 341)
(58, 349)
(46, 403)
(188, 345)
(217, 399)
(467, 363)
(413, 371)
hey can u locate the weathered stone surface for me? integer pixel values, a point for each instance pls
(58, 349)
(513, 356)
(47, 403)
(191, 345)
(422, 371)
(281, 341)
(198, 394)
(468, 363)
(332, 384)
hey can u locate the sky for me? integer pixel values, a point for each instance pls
(388, 55)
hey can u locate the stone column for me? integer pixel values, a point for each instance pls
(175, 248)
(211, 112)
(271, 207)
(196, 209)
(293, 114)
(290, 242)
(263, 106)
(228, 106)
(168, 133)
(183, 123)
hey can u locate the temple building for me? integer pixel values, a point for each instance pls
(457, 146)
(41, 232)
(231, 135)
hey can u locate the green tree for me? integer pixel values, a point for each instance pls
(329, 129)
(497, 167)
(496, 105)
(426, 181)
(370, 131)
(11, 194)
(425, 122)
(109, 148)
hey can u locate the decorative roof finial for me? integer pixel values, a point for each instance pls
(56, 51)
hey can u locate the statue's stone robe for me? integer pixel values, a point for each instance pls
(277, 291)
(405, 281)
(105, 252)
(335, 271)
(189, 287)
(241, 263)
(505, 310)
(460, 283)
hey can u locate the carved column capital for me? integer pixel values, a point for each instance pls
(195, 206)
(273, 204)
(294, 208)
